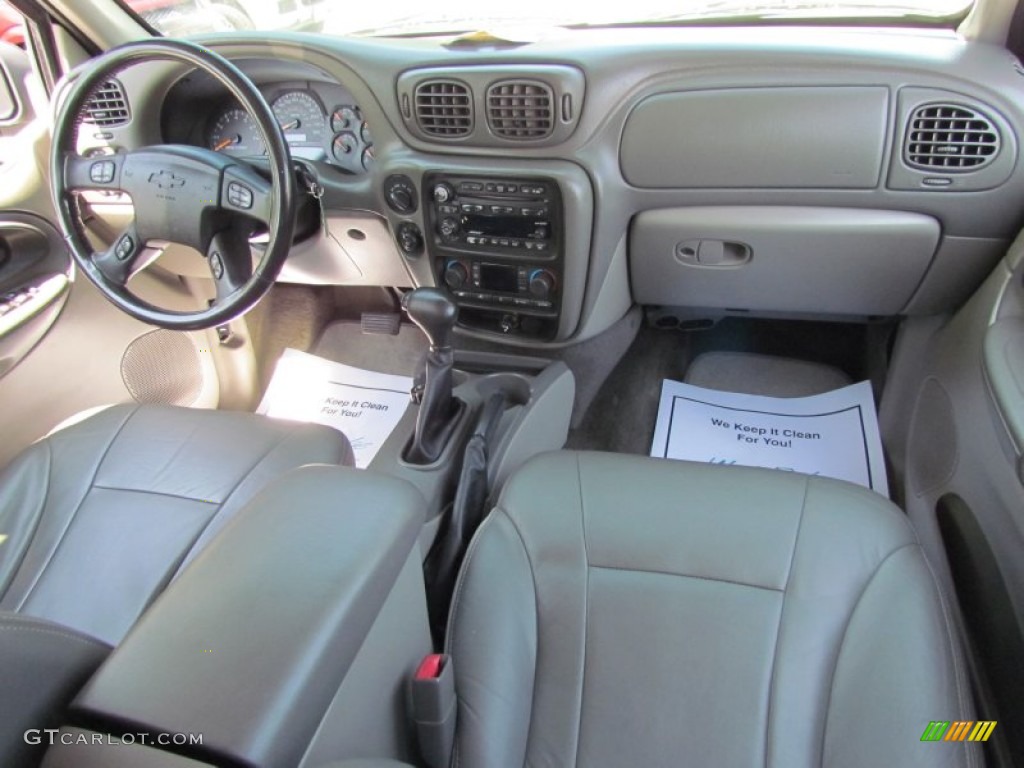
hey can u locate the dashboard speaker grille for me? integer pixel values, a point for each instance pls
(950, 137)
(520, 109)
(444, 108)
(107, 106)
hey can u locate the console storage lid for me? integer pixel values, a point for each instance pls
(250, 646)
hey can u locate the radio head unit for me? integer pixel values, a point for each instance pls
(497, 246)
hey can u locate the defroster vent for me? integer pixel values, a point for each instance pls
(444, 108)
(520, 109)
(949, 137)
(107, 106)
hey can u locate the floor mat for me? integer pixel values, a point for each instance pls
(832, 434)
(344, 341)
(364, 405)
(621, 417)
(755, 374)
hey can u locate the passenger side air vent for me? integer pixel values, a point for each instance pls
(444, 108)
(949, 137)
(520, 109)
(107, 106)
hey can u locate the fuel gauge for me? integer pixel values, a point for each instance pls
(344, 119)
(368, 158)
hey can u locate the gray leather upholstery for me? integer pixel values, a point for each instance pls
(43, 666)
(619, 610)
(101, 515)
(259, 636)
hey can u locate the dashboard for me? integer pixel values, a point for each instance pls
(820, 173)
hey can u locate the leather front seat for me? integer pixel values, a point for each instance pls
(623, 611)
(99, 516)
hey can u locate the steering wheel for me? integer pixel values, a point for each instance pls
(181, 194)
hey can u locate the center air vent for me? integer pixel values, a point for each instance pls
(444, 108)
(107, 106)
(949, 137)
(520, 109)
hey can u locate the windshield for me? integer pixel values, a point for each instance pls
(414, 17)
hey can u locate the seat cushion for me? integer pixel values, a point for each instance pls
(101, 515)
(617, 610)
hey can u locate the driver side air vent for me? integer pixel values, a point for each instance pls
(520, 109)
(444, 108)
(107, 106)
(950, 137)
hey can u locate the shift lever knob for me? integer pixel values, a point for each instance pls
(434, 313)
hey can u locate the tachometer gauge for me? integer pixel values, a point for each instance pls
(301, 119)
(235, 133)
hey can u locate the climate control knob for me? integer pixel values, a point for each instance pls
(455, 275)
(449, 227)
(443, 193)
(542, 283)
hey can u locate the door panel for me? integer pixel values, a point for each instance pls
(953, 421)
(34, 282)
(62, 345)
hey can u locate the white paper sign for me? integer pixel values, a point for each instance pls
(366, 406)
(833, 434)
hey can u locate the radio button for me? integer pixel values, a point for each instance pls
(490, 187)
(449, 227)
(496, 209)
(499, 188)
(471, 186)
(511, 188)
(443, 193)
(516, 243)
(540, 246)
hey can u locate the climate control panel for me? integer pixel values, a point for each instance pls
(496, 244)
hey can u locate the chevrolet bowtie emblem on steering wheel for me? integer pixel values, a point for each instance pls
(166, 180)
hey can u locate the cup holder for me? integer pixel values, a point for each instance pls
(514, 386)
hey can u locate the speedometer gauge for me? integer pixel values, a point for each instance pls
(235, 133)
(302, 119)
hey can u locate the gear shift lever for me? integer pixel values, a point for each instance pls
(434, 313)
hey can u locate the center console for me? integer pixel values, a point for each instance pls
(497, 246)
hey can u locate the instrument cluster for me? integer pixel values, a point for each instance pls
(321, 124)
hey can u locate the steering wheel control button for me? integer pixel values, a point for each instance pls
(239, 195)
(102, 172)
(124, 248)
(216, 265)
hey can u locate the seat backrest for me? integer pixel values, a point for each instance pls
(621, 611)
(100, 516)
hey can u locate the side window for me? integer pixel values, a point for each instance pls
(12, 27)
(23, 138)
(15, 73)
